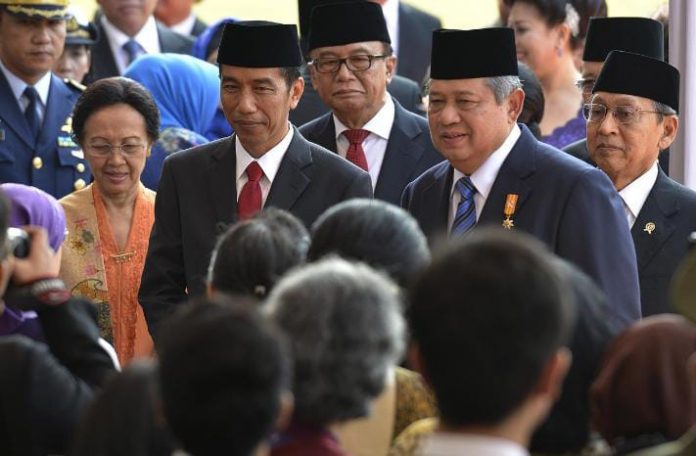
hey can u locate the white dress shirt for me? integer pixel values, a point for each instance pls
(147, 38)
(269, 163)
(484, 177)
(375, 145)
(185, 27)
(390, 9)
(635, 193)
(451, 444)
(17, 86)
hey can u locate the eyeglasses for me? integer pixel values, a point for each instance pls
(361, 62)
(626, 115)
(104, 150)
(585, 85)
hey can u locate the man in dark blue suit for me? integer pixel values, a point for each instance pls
(630, 120)
(36, 147)
(266, 163)
(351, 65)
(499, 174)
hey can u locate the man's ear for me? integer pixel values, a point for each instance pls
(515, 103)
(391, 63)
(551, 379)
(670, 126)
(287, 407)
(296, 91)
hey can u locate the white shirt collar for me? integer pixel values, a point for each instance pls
(17, 86)
(484, 177)
(147, 37)
(185, 27)
(380, 124)
(390, 9)
(269, 162)
(454, 444)
(635, 193)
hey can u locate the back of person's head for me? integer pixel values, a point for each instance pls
(254, 254)
(224, 374)
(488, 316)
(533, 108)
(345, 329)
(380, 234)
(643, 387)
(125, 417)
(567, 428)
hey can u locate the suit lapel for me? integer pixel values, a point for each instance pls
(291, 180)
(103, 58)
(401, 156)
(57, 111)
(326, 133)
(653, 225)
(223, 183)
(436, 198)
(11, 115)
(511, 179)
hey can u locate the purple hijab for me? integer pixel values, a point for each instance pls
(31, 206)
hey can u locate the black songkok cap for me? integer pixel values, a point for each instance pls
(259, 44)
(635, 74)
(482, 53)
(639, 35)
(305, 8)
(337, 24)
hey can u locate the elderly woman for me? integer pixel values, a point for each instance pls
(548, 33)
(115, 121)
(346, 331)
(187, 93)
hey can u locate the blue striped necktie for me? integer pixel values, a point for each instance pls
(465, 218)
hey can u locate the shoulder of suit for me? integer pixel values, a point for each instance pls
(310, 127)
(74, 85)
(680, 191)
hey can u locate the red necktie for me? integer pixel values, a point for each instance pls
(250, 197)
(355, 153)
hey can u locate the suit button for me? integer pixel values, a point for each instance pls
(80, 184)
(37, 162)
(80, 168)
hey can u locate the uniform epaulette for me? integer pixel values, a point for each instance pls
(74, 84)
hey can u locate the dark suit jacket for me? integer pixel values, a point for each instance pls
(60, 158)
(671, 207)
(197, 200)
(104, 65)
(409, 151)
(44, 388)
(415, 41)
(198, 27)
(311, 106)
(570, 206)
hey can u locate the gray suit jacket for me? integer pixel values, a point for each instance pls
(197, 201)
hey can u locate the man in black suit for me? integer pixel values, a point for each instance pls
(499, 174)
(266, 163)
(605, 34)
(350, 66)
(126, 32)
(311, 106)
(630, 120)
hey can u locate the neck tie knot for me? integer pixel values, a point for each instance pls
(356, 137)
(254, 172)
(133, 50)
(466, 188)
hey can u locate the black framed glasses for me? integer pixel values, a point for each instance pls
(360, 62)
(626, 115)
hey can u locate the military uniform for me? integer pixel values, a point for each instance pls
(52, 162)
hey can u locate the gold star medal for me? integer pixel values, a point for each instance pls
(509, 211)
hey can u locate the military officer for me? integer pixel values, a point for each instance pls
(36, 147)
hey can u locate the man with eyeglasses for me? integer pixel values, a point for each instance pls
(605, 34)
(36, 147)
(350, 67)
(498, 174)
(266, 163)
(629, 121)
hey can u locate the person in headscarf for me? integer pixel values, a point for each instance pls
(643, 395)
(187, 93)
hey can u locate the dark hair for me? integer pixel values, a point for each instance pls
(533, 109)
(380, 234)
(487, 315)
(554, 12)
(567, 427)
(4, 223)
(124, 417)
(345, 329)
(290, 75)
(111, 91)
(254, 254)
(223, 371)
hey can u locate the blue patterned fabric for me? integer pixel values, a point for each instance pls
(465, 218)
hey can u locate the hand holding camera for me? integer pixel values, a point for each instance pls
(34, 258)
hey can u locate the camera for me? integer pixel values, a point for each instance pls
(18, 241)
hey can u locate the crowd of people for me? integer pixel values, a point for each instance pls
(372, 237)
